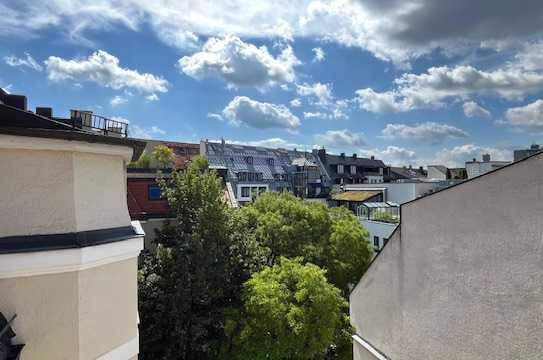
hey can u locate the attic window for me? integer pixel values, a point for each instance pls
(249, 160)
(271, 161)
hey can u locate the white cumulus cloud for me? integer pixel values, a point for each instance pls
(393, 155)
(240, 63)
(393, 30)
(339, 138)
(104, 69)
(458, 155)
(527, 117)
(429, 132)
(245, 111)
(437, 84)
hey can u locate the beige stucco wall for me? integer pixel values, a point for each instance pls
(99, 191)
(37, 189)
(464, 280)
(50, 186)
(108, 307)
(75, 315)
(47, 308)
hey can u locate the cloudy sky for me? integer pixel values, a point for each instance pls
(409, 81)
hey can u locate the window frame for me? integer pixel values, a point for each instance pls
(152, 198)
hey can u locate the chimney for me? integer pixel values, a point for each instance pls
(410, 167)
(474, 160)
(44, 111)
(17, 101)
(372, 157)
(342, 155)
(486, 157)
(534, 147)
(421, 169)
(322, 155)
(354, 156)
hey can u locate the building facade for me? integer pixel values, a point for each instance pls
(476, 168)
(68, 250)
(461, 276)
(344, 169)
(388, 194)
(250, 170)
(524, 153)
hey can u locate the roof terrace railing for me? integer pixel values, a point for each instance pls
(88, 121)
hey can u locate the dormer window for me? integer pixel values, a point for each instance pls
(340, 169)
(249, 160)
(271, 161)
(353, 169)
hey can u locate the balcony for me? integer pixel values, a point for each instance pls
(386, 212)
(88, 121)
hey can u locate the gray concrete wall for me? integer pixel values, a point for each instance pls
(463, 279)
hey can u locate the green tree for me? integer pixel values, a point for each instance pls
(330, 238)
(349, 251)
(197, 272)
(290, 312)
(164, 156)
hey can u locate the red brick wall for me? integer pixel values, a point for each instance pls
(139, 205)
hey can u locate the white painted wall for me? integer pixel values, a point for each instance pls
(248, 198)
(380, 229)
(397, 192)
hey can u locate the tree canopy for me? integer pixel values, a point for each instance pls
(197, 272)
(290, 312)
(267, 281)
(328, 237)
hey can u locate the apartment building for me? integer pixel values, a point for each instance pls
(460, 278)
(252, 170)
(68, 249)
(476, 168)
(344, 169)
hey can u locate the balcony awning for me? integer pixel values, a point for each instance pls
(358, 196)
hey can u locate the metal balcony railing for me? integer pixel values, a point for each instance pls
(86, 120)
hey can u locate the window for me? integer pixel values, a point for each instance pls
(340, 169)
(245, 191)
(261, 190)
(242, 176)
(376, 242)
(271, 161)
(249, 160)
(154, 192)
(353, 169)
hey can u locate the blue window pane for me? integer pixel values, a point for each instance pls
(154, 192)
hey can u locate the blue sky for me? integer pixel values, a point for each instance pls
(407, 81)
